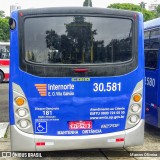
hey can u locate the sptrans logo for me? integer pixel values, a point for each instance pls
(42, 89)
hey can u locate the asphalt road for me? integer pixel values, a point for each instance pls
(4, 116)
(151, 141)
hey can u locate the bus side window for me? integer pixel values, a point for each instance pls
(155, 39)
(151, 59)
(146, 39)
(0, 54)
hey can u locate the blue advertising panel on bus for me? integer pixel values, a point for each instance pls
(151, 82)
(104, 101)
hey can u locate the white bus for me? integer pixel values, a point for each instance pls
(4, 61)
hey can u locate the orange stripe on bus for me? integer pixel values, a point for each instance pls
(40, 85)
(42, 89)
(43, 94)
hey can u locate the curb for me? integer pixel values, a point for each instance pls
(3, 129)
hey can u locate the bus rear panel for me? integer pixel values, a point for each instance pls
(76, 79)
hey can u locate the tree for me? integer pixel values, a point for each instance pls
(158, 11)
(4, 29)
(81, 35)
(2, 14)
(52, 40)
(148, 15)
(87, 3)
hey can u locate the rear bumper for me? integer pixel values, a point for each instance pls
(21, 141)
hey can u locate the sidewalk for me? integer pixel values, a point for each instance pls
(5, 142)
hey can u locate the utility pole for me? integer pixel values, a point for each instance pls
(89, 3)
(142, 4)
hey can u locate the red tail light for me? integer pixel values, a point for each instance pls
(119, 139)
(40, 143)
(80, 70)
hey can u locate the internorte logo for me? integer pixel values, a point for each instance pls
(42, 89)
(55, 89)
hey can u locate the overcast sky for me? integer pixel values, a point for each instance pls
(5, 4)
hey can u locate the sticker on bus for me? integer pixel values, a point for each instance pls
(41, 127)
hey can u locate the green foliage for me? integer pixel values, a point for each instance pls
(87, 3)
(52, 39)
(4, 29)
(158, 11)
(125, 6)
(148, 15)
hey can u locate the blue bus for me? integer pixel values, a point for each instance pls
(76, 79)
(152, 72)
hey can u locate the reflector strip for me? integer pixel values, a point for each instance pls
(119, 139)
(49, 143)
(80, 70)
(111, 140)
(135, 16)
(40, 143)
(21, 14)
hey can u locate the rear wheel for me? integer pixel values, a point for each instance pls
(1, 77)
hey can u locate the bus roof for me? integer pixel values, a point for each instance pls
(76, 10)
(5, 43)
(152, 23)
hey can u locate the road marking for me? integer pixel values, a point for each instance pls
(3, 129)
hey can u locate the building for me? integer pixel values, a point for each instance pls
(14, 7)
(152, 6)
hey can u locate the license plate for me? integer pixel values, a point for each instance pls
(80, 125)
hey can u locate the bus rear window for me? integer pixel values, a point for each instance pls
(77, 40)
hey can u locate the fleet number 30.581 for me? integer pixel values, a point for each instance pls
(101, 87)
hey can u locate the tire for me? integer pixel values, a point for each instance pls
(1, 77)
